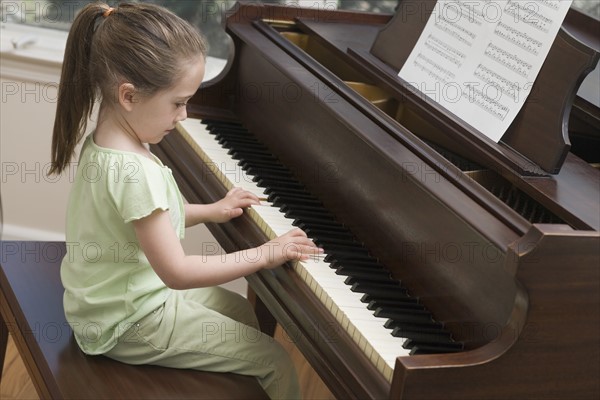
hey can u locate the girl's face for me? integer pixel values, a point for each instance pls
(152, 117)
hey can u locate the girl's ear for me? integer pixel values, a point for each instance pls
(127, 96)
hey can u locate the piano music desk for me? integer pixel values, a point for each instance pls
(32, 311)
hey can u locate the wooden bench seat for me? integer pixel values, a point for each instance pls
(32, 311)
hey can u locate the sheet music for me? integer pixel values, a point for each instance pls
(479, 59)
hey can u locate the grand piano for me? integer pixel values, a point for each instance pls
(455, 267)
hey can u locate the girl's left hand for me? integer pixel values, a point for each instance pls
(232, 205)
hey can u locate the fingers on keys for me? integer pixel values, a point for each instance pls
(298, 246)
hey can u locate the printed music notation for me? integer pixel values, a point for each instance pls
(518, 38)
(511, 61)
(491, 78)
(528, 13)
(441, 48)
(485, 102)
(455, 31)
(483, 55)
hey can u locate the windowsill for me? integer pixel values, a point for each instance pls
(48, 45)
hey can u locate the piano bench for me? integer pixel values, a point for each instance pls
(32, 311)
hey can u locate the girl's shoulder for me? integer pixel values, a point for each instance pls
(115, 168)
(91, 152)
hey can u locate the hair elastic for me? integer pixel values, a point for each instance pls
(108, 11)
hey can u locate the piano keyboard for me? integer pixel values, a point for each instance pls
(372, 307)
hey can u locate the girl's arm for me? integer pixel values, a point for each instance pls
(230, 206)
(163, 249)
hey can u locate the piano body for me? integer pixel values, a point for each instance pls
(498, 242)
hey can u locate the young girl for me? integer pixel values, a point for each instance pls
(130, 291)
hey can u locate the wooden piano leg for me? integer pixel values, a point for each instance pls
(265, 318)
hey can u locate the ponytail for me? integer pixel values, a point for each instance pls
(140, 43)
(76, 93)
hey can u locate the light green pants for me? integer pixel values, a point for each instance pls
(209, 329)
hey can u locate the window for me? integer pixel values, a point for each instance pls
(206, 14)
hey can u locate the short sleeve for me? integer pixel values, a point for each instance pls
(139, 190)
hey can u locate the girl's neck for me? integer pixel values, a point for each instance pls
(113, 132)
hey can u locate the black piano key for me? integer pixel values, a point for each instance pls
(245, 164)
(382, 280)
(408, 318)
(402, 323)
(216, 126)
(423, 315)
(385, 291)
(258, 157)
(331, 225)
(349, 254)
(237, 156)
(432, 348)
(292, 198)
(316, 232)
(261, 167)
(230, 129)
(423, 328)
(346, 252)
(340, 248)
(258, 171)
(237, 136)
(397, 306)
(262, 156)
(303, 208)
(359, 265)
(321, 223)
(316, 227)
(306, 200)
(392, 295)
(275, 185)
(423, 348)
(439, 337)
(406, 302)
(284, 189)
(222, 124)
(339, 241)
(349, 268)
(233, 131)
(281, 195)
(274, 163)
(290, 213)
(370, 274)
(246, 144)
(341, 257)
(391, 309)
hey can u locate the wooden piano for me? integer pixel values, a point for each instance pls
(455, 267)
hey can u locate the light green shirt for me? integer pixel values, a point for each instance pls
(109, 283)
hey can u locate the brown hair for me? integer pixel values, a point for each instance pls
(143, 44)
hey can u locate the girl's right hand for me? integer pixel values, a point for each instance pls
(293, 245)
